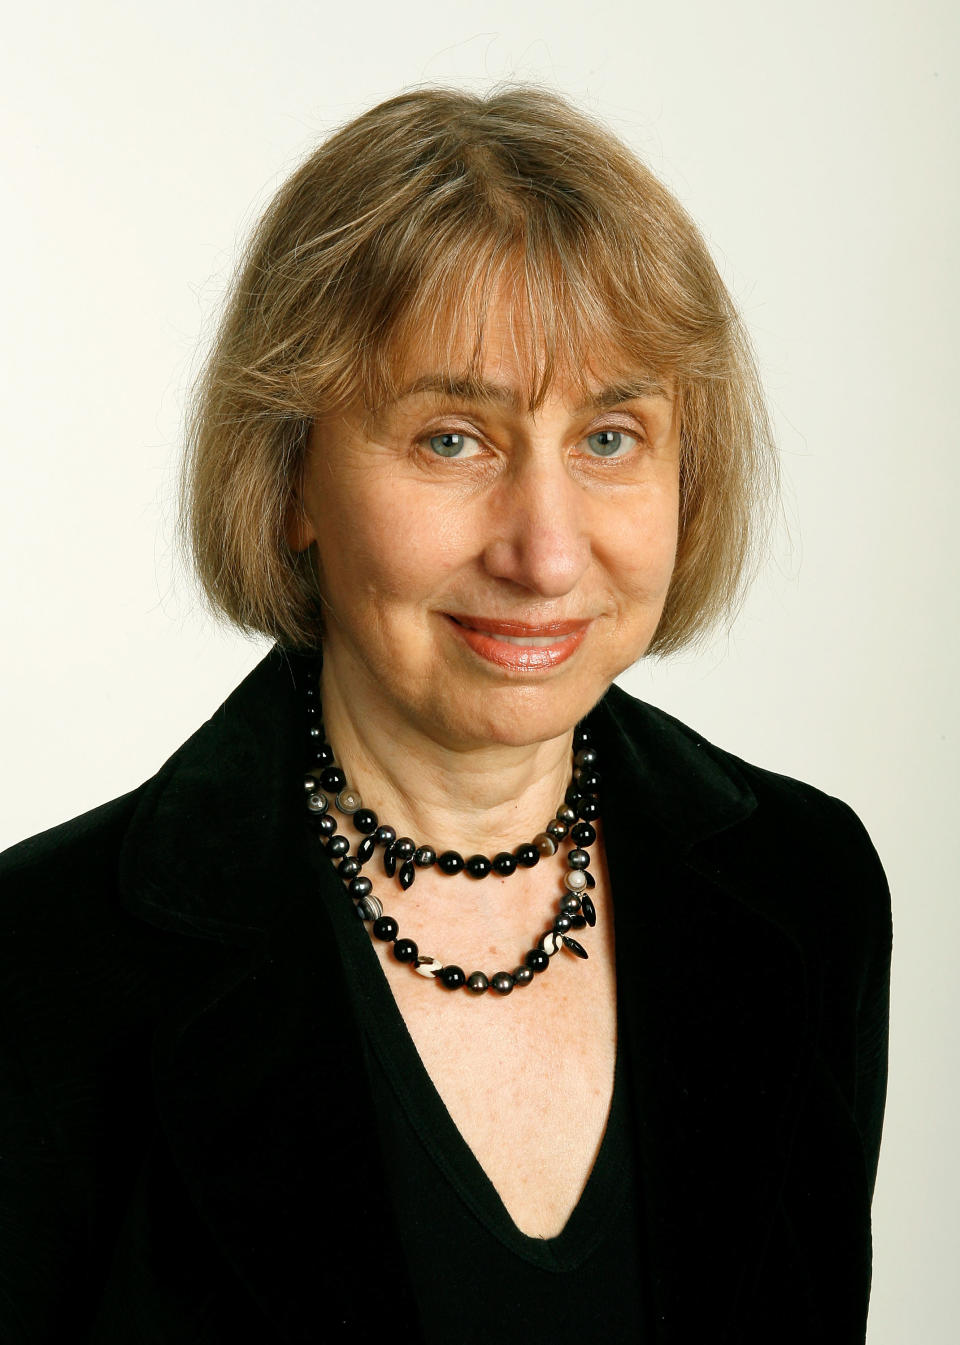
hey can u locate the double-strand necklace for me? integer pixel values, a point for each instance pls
(403, 857)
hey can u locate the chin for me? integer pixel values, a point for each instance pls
(521, 715)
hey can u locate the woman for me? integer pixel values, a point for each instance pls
(605, 1054)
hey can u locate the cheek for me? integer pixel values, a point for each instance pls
(639, 546)
(384, 547)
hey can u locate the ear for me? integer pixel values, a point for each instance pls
(298, 531)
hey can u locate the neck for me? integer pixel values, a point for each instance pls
(482, 799)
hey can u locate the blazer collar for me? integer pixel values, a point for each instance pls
(260, 1078)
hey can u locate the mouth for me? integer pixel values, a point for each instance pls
(519, 645)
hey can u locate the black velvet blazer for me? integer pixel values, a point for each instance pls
(188, 1154)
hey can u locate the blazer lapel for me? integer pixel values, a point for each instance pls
(714, 1003)
(264, 1102)
(259, 1072)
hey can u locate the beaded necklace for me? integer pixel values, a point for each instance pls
(401, 856)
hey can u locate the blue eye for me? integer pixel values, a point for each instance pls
(608, 443)
(451, 444)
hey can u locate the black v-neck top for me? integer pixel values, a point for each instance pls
(473, 1272)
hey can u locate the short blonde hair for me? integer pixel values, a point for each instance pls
(419, 209)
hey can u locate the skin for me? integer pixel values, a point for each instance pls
(527, 523)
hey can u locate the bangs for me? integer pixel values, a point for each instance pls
(554, 295)
(522, 308)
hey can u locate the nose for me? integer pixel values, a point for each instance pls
(537, 527)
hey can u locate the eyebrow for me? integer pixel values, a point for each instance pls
(463, 387)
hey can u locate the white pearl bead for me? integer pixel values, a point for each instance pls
(348, 801)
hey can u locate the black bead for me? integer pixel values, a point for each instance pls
(566, 814)
(384, 835)
(577, 921)
(586, 756)
(360, 887)
(321, 754)
(578, 859)
(583, 834)
(365, 821)
(561, 923)
(390, 861)
(349, 867)
(450, 862)
(591, 881)
(537, 960)
(556, 829)
(425, 857)
(333, 779)
(337, 846)
(315, 735)
(478, 866)
(385, 928)
(502, 982)
(523, 976)
(574, 947)
(527, 855)
(366, 849)
(407, 874)
(581, 737)
(452, 977)
(589, 809)
(589, 910)
(405, 848)
(326, 825)
(504, 864)
(477, 983)
(405, 950)
(573, 796)
(589, 781)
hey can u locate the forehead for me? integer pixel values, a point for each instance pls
(514, 395)
(502, 357)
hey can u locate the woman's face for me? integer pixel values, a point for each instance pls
(488, 571)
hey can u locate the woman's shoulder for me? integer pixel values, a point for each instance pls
(809, 850)
(72, 860)
(690, 754)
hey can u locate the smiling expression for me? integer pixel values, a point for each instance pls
(487, 571)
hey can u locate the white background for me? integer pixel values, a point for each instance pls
(816, 145)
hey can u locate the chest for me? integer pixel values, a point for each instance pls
(526, 1078)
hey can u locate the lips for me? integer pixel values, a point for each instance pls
(520, 645)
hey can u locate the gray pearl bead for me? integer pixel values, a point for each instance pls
(578, 859)
(523, 975)
(477, 983)
(570, 903)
